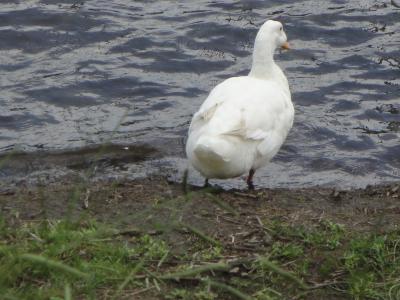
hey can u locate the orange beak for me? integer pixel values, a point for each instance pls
(285, 46)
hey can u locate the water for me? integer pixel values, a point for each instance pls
(76, 74)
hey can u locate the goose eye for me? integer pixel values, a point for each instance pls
(280, 28)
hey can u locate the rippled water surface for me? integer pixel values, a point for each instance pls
(82, 73)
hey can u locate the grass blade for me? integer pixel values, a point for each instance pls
(131, 275)
(273, 267)
(233, 291)
(196, 271)
(67, 292)
(52, 264)
(200, 234)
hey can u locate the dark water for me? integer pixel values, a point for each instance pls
(81, 73)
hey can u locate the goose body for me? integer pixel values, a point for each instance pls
(244, 121)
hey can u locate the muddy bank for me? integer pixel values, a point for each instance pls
(97, 162)
(156, 202)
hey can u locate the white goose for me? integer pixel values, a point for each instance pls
(245, 120)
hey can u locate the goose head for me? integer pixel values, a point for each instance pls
(272, 36)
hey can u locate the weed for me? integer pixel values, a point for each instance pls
(286, 250)
(209, 253)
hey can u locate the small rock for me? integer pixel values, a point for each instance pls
(337, 195)
(371, 190)
(7, 192)
(267, 239)
(254, 240)
(169, 194)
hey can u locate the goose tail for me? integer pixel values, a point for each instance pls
(212, 150)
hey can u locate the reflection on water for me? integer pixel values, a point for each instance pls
(82, 73)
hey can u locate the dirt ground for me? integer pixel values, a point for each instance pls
(236, 219)
(232, 217)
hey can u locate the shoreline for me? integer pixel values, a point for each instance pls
(340, 205)
(110, 161)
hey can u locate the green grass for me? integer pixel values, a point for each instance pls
(356, 265)
(90, 260)
(40, 261)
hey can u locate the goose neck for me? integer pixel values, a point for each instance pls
(263, 65)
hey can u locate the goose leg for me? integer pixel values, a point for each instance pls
(206, 184)
(250, 179)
